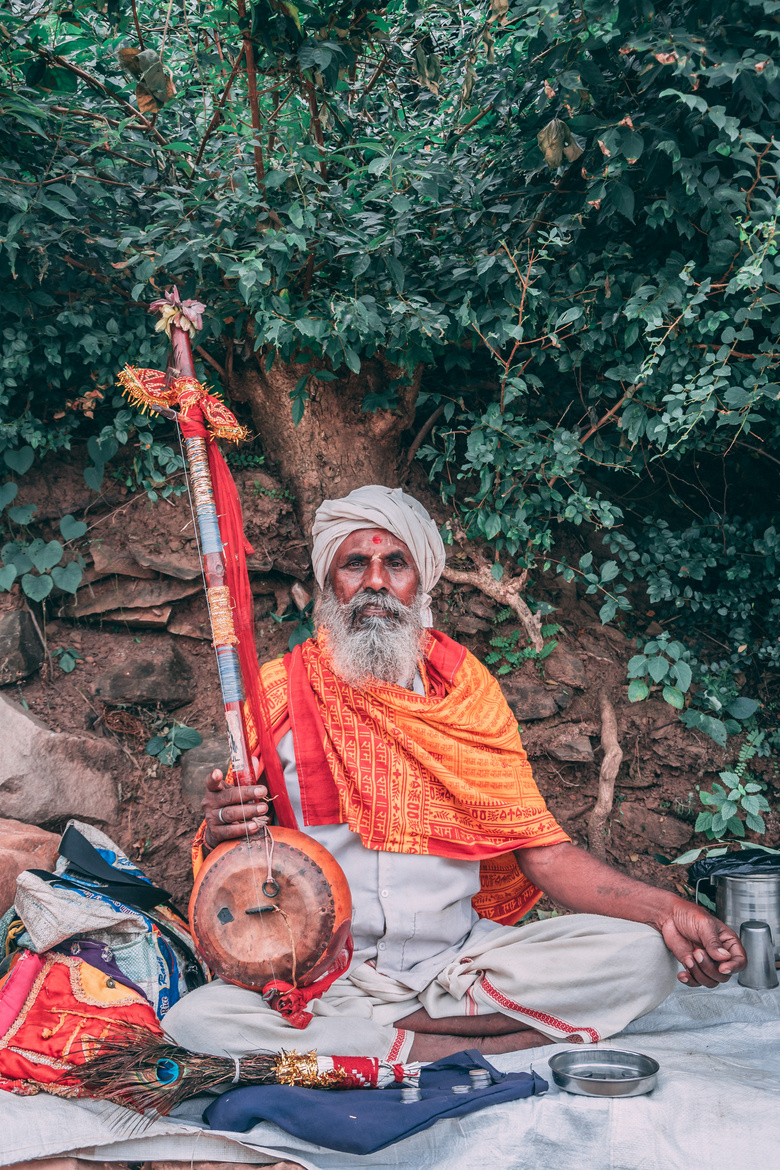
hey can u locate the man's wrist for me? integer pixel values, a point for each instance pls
(661, 908)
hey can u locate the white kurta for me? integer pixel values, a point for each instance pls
(419, 943)
(411, 913)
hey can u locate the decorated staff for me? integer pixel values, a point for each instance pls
(270, 912)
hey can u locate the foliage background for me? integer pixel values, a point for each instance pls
(597, 334)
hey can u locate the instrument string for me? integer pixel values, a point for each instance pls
(195, 462)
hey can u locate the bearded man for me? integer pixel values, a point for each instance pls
(401, 757)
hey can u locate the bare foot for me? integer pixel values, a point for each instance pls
(430, 1046)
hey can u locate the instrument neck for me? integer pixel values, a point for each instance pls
(182, 351)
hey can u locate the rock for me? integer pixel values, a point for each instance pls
(162, 676)
(141, 619)
(565, 667)
(259, 563)
(21, 652)
(198, 764)
(481, 607)
(117, 594)
(572, 749)
(661, 830)
(110, 560)
(191, 620)
(47, 775)
(183, 564)
(22, 847)
(530, 700)
(466, 624)
(299, 595)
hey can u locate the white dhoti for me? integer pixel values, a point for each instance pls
(579, 978)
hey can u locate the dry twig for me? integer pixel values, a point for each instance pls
(613, 756)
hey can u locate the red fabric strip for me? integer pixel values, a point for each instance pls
(319, 794)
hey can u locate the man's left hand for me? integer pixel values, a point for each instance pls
(709, 950)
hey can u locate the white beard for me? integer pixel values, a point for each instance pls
(381, 648)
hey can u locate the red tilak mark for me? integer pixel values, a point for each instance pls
(377, 539)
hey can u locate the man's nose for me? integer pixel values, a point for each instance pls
(375, 578)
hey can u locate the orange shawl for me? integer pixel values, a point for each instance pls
(444, 773)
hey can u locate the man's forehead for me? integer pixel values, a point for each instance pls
(371, 541)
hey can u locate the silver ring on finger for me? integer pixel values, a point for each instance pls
(222, 820)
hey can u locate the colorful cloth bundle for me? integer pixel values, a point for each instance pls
(91, 951)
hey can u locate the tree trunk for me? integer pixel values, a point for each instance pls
(336, 446)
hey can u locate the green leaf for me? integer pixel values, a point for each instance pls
(637, 666)
(674, 697)
(155, 745)
(23, 514)
(8, 492)
(12, 554)
(68, 660)
(689, 857)
(67, 577)
(682, 672)
(71, 528)
(7, 577)
(93, 477)
(756, 823)
(20, 460)
(101, 451)
(45, 556)
(637, 690)
(396, 270)
(169, 754)
(572, 314)
(37, 588)
(496, 570)
(742, 708)
(711, 726)
(657, 667)
(186, 738)
(300, 633)
(703, 822)
(622, 198)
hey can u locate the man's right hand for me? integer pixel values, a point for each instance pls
(243, 809)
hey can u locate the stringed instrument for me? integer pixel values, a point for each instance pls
(272, 911)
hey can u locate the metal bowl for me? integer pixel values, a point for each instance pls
(604, 1072)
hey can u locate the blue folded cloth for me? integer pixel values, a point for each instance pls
(362, 1121)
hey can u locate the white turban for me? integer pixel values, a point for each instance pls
(375, 506)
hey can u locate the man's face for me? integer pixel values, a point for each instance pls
(374, 560)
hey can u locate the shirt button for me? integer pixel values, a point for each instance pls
(381, 946)
(384, 893)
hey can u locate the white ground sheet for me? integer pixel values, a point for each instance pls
(717, 1106)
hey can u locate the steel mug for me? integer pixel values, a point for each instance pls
(741, 898)
(760, 971)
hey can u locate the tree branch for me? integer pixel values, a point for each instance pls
(423, 431)
(613, 757)
(218, 110)
(93, 82)
(504, 592)
(254, 105)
